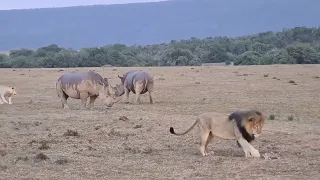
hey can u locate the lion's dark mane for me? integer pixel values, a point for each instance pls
(238, 116)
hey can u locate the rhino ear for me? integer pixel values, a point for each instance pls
(120, 77)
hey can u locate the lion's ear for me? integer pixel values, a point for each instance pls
(251, 120)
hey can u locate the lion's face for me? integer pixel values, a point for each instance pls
(256, 125)
(256, 129)
(12, 91)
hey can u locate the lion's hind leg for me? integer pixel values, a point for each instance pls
(205, 139)
(210, 137)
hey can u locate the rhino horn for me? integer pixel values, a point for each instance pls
(113, 90)
(110, 99)
(116, 99)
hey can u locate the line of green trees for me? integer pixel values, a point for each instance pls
(299, 45)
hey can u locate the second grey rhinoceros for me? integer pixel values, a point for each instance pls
(137, 82)
(84, 85)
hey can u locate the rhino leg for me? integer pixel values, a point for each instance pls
(137, 101)
(150, 98)
(138, 89)
(64, 99)
(84, 96)
(92, 99)
(126, 92)
(150, 90)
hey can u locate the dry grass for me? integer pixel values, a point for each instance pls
(40, 140)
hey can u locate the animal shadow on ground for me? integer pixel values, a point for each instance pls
(227, 153)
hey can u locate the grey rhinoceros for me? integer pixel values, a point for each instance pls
(81, 85)
(137, 82)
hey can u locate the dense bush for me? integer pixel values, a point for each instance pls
(298, 45)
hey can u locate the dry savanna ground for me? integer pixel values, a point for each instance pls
(40, 140)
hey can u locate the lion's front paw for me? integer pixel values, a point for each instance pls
(255, 153)
(247, 154)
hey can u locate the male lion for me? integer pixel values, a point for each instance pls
(240, 125)
(6, 91)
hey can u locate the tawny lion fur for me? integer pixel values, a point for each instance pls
(242, 126)
(7, 91)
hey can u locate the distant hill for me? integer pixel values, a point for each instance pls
(151, 23)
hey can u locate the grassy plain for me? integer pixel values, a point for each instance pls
(130, 141)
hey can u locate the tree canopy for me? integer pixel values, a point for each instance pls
(299, 45)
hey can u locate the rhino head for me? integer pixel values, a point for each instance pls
(108, 98)
(119, 88)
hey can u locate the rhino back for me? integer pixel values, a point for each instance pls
(75, 78)
(129, 74)
(142, 75)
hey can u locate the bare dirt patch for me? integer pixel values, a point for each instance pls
(40, 140)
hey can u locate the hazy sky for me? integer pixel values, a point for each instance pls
(25, 4)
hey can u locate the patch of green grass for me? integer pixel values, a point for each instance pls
(290, 118)
(272, 117)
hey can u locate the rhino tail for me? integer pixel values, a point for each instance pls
(146, 84)
(59, 89)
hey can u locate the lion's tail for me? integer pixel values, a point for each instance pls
(172, 130)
